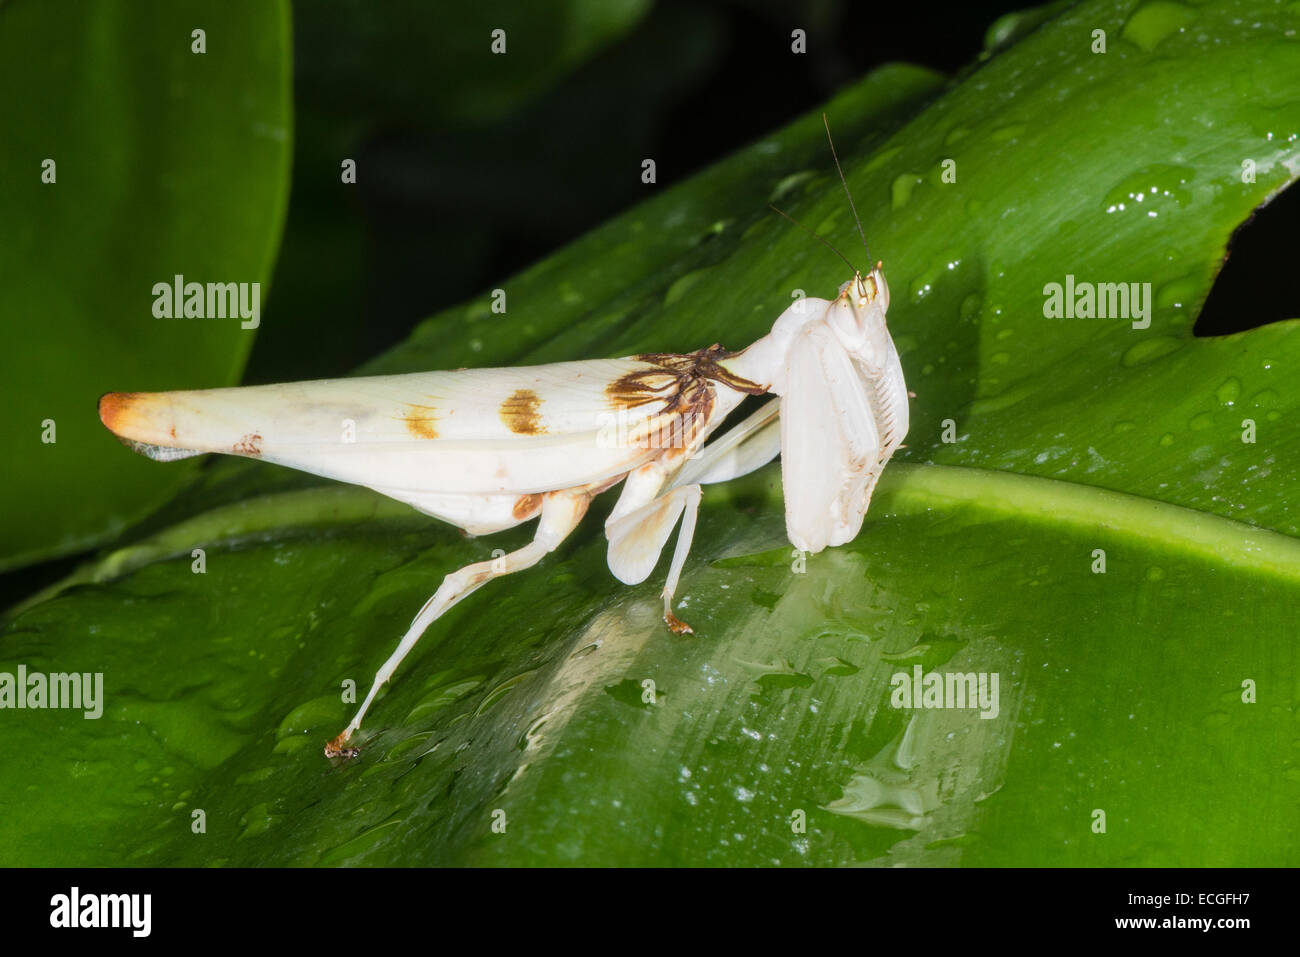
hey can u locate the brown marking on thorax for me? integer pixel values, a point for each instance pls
(421, 422)
(520, 413)
(678, 380)
(250, 444)
(685, 386)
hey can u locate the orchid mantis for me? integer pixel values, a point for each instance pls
(489, 449)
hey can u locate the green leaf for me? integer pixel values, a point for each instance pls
(555, 704)
(164, 162)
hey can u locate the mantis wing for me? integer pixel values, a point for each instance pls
(473, 431)
(830, 443)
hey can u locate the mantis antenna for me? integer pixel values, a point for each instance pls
(819, 239)
(845, 182)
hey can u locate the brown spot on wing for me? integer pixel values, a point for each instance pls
(421, 422)
(642, 386)
(527, 506)
(519, 413)
(250, 444)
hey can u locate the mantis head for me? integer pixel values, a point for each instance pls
(858, 317)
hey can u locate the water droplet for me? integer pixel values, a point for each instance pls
(1004, 134)
(1201, 421)
(1162, 186)
(715, 229)
(358, 845)
(903, 185)
(409, 743)
(1150, 349)
(1229, 392)
(295, 744)
(683, 285)
(1119, 428)
(258, 820)
(1264, 399)
(1177, 293)
(310, 715)
(924, 283)
(829, 225)
(439, 697)
(842, 669)
(791, 184)
(881, 158)
(1167, 439)
(996, 403)
(254, 777)
(499, 692)
(531, 734)
(1153, 22)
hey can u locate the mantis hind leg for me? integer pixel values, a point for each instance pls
(561, 513)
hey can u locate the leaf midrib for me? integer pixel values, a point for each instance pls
(905, 489)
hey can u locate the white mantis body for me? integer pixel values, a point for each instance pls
(488, 449)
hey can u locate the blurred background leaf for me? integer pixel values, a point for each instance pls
(166, 162)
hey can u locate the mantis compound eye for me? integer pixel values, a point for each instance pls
(881, 287)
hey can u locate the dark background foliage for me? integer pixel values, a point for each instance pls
(446, 205)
